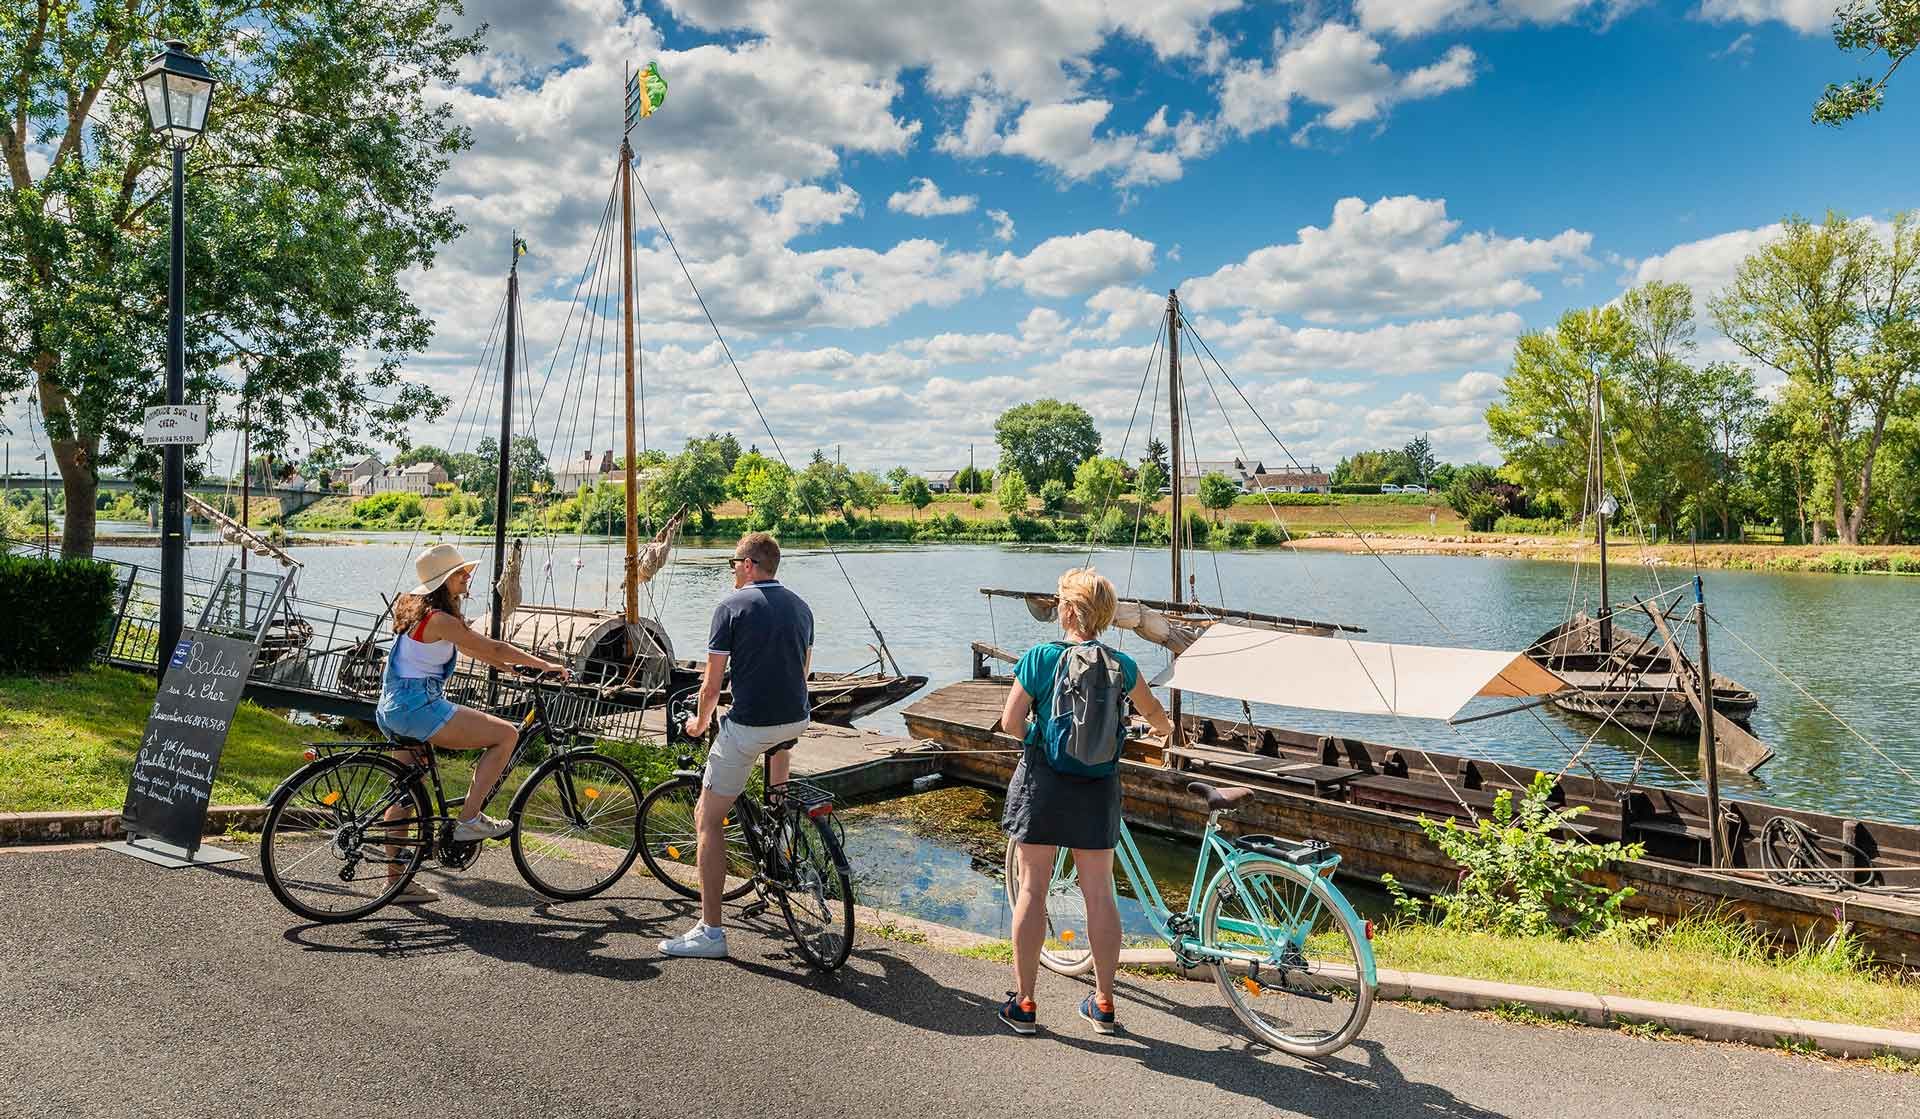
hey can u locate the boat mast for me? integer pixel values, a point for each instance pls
(1173, 450)
(1709, 751)
(626, 308)
(503, 481)
(1600, 508)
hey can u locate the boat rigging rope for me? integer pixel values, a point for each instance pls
(1274, 511)
(1790, 853)
(1815, 700)
(751, 399)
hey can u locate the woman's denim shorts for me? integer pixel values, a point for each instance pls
(414, 708)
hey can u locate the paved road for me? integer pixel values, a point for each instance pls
(131, 990)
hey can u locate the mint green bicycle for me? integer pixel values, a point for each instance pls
(1288, 951)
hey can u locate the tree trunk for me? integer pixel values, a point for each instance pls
(1842, 524)
(75, 457)
(1866, 475)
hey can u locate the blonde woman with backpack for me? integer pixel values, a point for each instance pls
(1066, 790)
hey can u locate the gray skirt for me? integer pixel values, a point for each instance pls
(1058, 810)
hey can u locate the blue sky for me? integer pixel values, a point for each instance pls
(907, 216)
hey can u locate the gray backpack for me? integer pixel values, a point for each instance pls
(1087, 721)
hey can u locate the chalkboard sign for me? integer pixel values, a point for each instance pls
(172, 779)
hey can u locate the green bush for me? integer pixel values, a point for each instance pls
(1266, 534)
(397, 508)
(1521, 878)
(1536, 526)
(57, 611)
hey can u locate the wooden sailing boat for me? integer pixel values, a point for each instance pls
(1642, 683)
(1781, 866)
(625, 655)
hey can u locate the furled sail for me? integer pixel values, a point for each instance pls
(653, 557)
(1340, 674)
(509, 584)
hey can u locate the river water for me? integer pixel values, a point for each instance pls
(1846, 639)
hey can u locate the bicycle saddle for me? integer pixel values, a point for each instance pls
(787, 745)
(415, 744)
(1219, 800)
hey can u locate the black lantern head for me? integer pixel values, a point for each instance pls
(177, 88)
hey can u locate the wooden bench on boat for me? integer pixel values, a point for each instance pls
(1325, 780)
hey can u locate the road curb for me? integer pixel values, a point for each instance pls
(1765, 1030)
(20, 828)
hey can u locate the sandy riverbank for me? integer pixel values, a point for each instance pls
(1825, 559)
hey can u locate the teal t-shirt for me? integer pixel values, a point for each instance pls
(1035, 673)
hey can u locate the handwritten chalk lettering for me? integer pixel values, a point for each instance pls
(216, 665)
(178, 761)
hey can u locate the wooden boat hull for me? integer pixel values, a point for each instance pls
(1634, 685)
(1373, 819)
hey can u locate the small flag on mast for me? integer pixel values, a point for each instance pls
(646, 91)
(519, 248)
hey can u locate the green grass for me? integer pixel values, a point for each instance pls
(996, 952)
(68, 743)
(1699, 961)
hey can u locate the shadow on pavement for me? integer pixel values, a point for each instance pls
(883, 982)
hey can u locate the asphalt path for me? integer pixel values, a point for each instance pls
(131, 990)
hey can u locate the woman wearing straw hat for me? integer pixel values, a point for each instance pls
(430, 635)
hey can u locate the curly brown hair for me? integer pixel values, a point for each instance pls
(410, 608)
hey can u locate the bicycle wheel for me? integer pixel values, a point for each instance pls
(669, 845)
(817, 892)
(1295, 977)
(344, 836)
(1066, 949)
(576, 825)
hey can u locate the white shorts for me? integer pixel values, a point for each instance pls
(737, 747)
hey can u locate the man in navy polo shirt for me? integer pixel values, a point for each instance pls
(766, 632)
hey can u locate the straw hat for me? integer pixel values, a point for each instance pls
(436, 565)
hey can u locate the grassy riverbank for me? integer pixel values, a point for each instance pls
(68, 743)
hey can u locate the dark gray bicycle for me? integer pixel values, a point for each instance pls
(346, 832)
(784, 846)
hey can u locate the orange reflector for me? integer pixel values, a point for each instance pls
(591, 793)
(819, 810)
(1067, 936)
(310, 753)
(1253, 987)
(1369, 930)
(672, 851)
(331, 798)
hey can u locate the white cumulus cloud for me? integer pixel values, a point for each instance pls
(1338, 68)
(926, 201)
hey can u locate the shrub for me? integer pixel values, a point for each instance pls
(57, 612)
(1519, 878)
(1266, 534)
(400, 508)
(1538, 526)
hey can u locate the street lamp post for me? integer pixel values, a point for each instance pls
(177, 89)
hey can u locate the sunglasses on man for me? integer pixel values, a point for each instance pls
(736, 561)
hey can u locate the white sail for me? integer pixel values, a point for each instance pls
(1360, 677)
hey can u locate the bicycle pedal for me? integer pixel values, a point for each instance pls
(754, 909)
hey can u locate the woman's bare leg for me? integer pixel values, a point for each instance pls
(1103, 916)
(1030, 913)
(398, 812)
(473, 730)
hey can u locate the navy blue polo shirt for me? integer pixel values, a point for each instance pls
(765, 630)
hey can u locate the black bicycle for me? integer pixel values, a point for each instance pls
(782, 847)
(347, 832)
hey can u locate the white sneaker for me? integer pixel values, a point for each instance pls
(482, 826)
(700, 942)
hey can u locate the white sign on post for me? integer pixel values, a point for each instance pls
(175, 425)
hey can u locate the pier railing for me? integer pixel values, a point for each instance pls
(327, 659)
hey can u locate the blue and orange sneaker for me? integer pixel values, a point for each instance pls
(1019, 1015)
(1103, 1021)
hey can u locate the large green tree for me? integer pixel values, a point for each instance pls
(1543, 421)
(1731, 409)
(309, 197)
(1837, 310)
(1045, 440)
(1665, 399)
(1890, 28)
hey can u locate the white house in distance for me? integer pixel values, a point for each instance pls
(939, 481)
(1243, 473)
(1312, 479)
(367, 467)
(586, 470)
(420, 478)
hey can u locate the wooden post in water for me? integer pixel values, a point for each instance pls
(1173, 451)
(626, 306)
(1600, 508)
(1709, 757)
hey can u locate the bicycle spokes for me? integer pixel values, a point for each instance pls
(1286, 960)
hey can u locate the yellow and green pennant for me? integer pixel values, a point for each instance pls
(646, 91)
